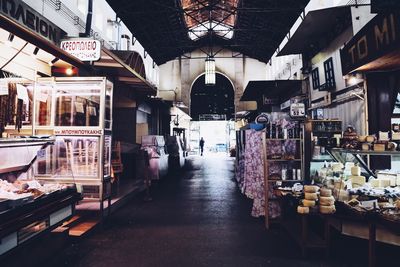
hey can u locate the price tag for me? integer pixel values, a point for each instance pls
(22, 93)
(43, 97)
(3, 88)
(92, 111)
(79, 107)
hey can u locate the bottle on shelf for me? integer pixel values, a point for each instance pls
(284, 172)
(268, 130)
(280, 131)
(290, 132)
(298, 174)
(273, 131)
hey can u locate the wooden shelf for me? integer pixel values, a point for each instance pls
(273, 181)
(283, 160)
(283, 139)
(369, 152)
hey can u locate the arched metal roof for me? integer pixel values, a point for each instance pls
(170, 28)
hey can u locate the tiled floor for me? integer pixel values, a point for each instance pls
(197, 218)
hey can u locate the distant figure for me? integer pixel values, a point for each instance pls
(201, 146)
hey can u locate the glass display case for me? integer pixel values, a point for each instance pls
(319, 137)
(78, 112)
(28, 207)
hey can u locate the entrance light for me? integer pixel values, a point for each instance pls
(210, 71)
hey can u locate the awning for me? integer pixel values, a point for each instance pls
(38, 41)
(116, 67)
(280, 90)
(314, 28)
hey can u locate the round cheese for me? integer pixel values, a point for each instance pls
(326, 201)
(308, 203)
(327, 209)
(325, 192)
(311, 196)
(303, 210)
(311, 188)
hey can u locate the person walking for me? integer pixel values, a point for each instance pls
(201, 146)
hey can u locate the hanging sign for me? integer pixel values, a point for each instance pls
(77, 132)
(24, 15)
(297, 110)
(84, 49)
(378, 38)
(270, 101)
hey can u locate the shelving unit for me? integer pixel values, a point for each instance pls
(298, 162)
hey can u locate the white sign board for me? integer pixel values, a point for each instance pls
(3, 88)
(297, 110)
(83, 49)
(22, 93)
(77, 132)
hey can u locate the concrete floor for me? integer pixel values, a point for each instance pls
(197, 218)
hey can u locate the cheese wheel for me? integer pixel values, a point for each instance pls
(326, 201)
(384, 182)
(375, 183)
(327, 209)
(356, 171)
(357, 181)
(311, 188)
(303, 210)
(325, 192)
(308, 203)
(370, 139)
(311, 196)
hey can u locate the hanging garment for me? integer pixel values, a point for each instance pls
(254, 171)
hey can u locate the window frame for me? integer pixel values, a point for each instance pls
(315, 79)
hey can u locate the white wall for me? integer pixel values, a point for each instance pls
(180, 74)
(104, 26)
(318, 62)
(285, 68)
(279, 68)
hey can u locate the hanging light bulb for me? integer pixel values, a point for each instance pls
(210, 71)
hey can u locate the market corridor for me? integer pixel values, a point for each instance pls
(197, 219)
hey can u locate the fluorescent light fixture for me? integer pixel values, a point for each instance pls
(354, 79)
(51, 63)
(36, 51)
(10, 37)
(210, 71)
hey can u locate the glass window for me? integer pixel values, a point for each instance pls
(329, 74)
(77, 104)
(315, 78)
(70, 157)
(108, 109)
(43, 104)
(107, 155)
(18, 98)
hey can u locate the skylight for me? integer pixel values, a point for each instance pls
(201, 30)
(203, 16)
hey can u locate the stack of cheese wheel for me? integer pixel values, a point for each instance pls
(310, 198)
(326, 201)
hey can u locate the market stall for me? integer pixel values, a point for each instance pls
(78, 112)
(29, 208)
